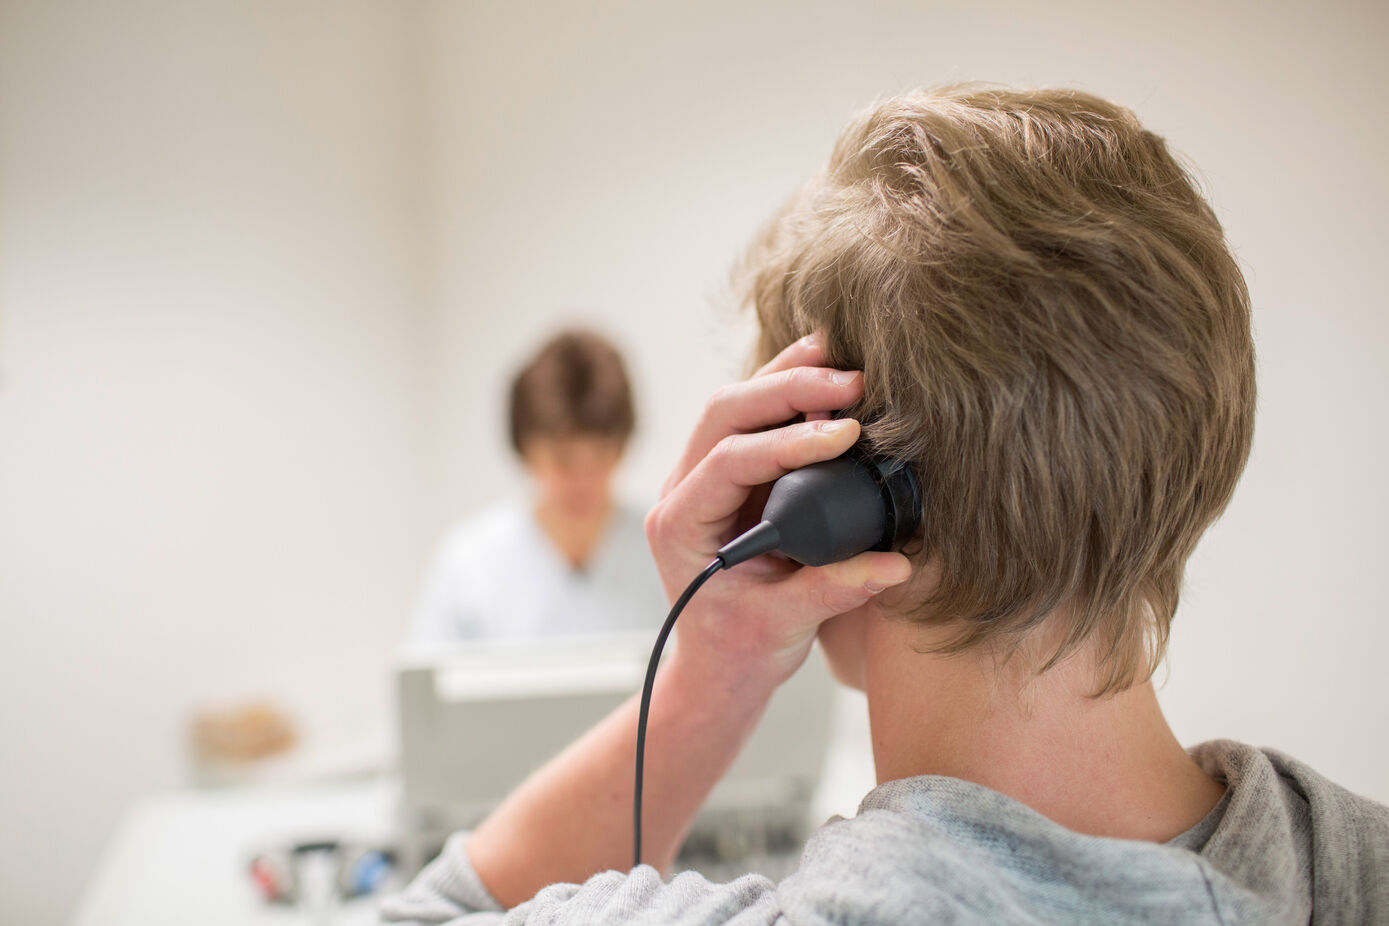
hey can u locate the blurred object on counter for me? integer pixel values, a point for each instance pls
(227, 744)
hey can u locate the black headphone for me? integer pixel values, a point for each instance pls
(830, 511)
(820, 514)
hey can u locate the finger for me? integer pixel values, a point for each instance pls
(719, 485)
(816, 594)
(778, 397)
(765, 401)
(809, 351)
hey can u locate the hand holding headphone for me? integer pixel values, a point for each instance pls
(832, 508)
(759, 620)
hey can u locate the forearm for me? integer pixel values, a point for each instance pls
(573, 817)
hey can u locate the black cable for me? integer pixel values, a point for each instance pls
(684, 599)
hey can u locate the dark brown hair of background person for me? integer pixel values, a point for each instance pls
(575, 386)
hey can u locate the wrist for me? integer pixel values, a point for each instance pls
(705, 681)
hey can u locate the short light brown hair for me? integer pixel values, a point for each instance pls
(1052, 330)
(575, 386)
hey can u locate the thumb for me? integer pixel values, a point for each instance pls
(817, 593)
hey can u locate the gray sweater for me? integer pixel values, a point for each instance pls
(1284, 845)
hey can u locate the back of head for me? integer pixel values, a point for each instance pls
(1052, 329)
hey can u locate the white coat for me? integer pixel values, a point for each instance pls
(497, 575)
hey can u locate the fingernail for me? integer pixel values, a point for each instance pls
(875, 585)
(832, 425)
(811, 339)
(843, 377)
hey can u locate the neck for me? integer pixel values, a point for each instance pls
(574, 534)
(1103, 766)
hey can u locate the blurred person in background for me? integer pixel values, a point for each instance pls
(571, 558)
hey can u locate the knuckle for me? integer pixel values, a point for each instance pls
(782, 445)
(837, 595)
(657, 523)
(796, 435)
(718, 400)
(800, 378)
(724, 451)
(837, 600)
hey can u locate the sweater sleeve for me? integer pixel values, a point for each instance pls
(448, 892)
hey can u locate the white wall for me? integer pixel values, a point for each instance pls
(614, 158)
(209, 439)
(264, 269)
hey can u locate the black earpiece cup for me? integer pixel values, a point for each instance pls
(901, 494)
(827, 512)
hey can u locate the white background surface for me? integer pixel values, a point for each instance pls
(183, 857)
(265, 267)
